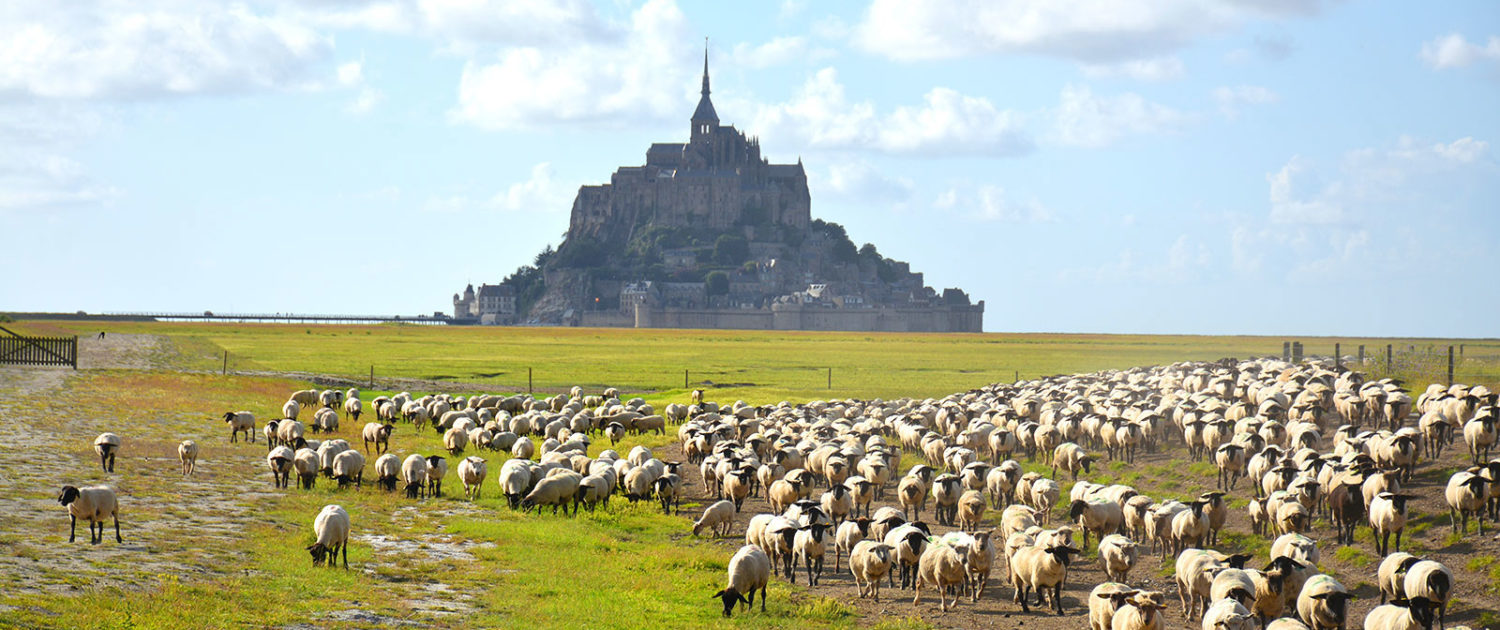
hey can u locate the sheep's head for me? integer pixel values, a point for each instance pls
(318, 551)
(69, 495)
(1063, 554)
(730, 596)
(1337, 602)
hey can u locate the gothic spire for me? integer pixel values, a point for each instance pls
(705, 113)
(705, 66)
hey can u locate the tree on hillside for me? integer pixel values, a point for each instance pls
(731, 249)
(717, 283)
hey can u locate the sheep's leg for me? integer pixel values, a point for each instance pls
(118, 539)
(345, 548)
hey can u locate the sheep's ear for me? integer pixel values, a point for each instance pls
(718, 595)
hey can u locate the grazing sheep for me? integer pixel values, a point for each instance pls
(349, 466)
(279, 460)
(331, 528)
(1100, 516)
(1072, 458)
(555, 490)
(1432, 581)
(1480, 436)
(472, 472)
(1040, 568)
(941, 566)
(414, 476)
(1412, 614)
(187, 453)
(515, 481)
(907, 542)
(1388, 516)
(1104, 600)
(1194, 573)
(437, 468)
(971, 508)
(107, 445)
(523, 448)
(749, 571)
(93, 503)
(292, 409)
(1237, 585)
(1044, 495)
(870, 562)
(1118, 555)
(718, 518)
(455, 440)
(808, 548)
(387, 470)
(378, 433)
(240, 421)
(1323, 603)
(305, 461)
(353, 407)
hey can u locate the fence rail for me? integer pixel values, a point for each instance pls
(20, 350)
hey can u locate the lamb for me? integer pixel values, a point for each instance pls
(1118, 555)
(870, 562)
(1433, 582)
(941, 566)
(305, 461)
(808, 548)
(279, 460)
(187, 453)
(349, 466)
(92, 503)
(437, 468)
(107, 445)
(472, 472)
(718, 518)
(378, 433)
(1323, 603)
(1387, 516)
(240, 421)
(414, 476)
(387, 469)
(1392, 575)
(1040, 568)
(1140, 612)
(1412, 614)
(1228, 614)
(331, 528)
(749, 570)
(1466, 494)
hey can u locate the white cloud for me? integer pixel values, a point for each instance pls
(1297, 196)
(1085, 120)
(859, 181)
(1462, 150)
(351, 74)
(515, 22)
(1093, 31)
(777, 52)
(1156, 69)
(1368, 179)
(1454, 51)
(1232, 99)
(541, 192)
(988, 202)
(96, 50)
(365, 101)
(821, 116)
(637, 72)
(33, 182)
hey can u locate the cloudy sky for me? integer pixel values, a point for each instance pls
(1241, 166)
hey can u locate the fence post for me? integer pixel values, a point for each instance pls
(1361, 355)
(1018, 376)
(684, 379)
(1296, 352)
(1388, 357)
(1286, 351)
(1450, 366)
(225, 369)
(528, 380)
(830, 378)
(372, 376)
(1338, 357)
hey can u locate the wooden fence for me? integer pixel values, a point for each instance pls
(20, 350)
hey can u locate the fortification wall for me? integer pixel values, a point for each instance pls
(797, 317)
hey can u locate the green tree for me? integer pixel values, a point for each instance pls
(731, 249)
(717, 283)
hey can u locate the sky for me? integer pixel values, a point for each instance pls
(1278, 167)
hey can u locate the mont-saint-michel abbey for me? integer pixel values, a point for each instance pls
(710, 234)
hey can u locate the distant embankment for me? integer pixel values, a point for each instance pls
(210, 316)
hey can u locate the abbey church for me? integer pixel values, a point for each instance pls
(710, 234)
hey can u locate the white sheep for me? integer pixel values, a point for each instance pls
(1100, 516)
(870, 562)
(1104, 600)
(107, 445)
(1141, 612)
(1388, 516)
(353, 407)
(1432, 581)
(187, 454)
(717, 518)
(1412, 614)
(437, 468)
(349, 466)
(808, 548)
(941, 566)
(305, 461)
(1228, 614)
(749, 571)
(379, 434)
(1040, 568)
(472, 471)
(1323, 603)
(515, 481)
(1118, 555)
(240, 421)
(524, 448)
(455, 440)
(1391, 576)
(279, 460)
(92, 503)
(292, 409)
(1466, 494)
(414, 475)
(331, 528)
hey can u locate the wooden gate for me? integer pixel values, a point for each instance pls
(20, 350)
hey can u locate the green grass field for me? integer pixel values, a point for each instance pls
(757, 366)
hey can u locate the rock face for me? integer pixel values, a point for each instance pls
(710, 234)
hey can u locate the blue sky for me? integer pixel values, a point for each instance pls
(1162, 166)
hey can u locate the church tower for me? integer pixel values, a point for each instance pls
(705, 119)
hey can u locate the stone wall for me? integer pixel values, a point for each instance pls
(798, 317)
